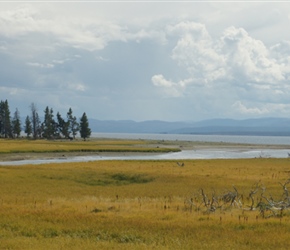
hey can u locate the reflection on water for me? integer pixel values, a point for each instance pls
(186, 154)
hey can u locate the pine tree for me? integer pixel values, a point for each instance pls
(2, 118)
(28, 126)
(35, 121)
(62, 126)
(73, 125)
(48, 125)
(16, 124)
(85, 131)
(5, 126)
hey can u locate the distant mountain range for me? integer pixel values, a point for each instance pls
(262, 126)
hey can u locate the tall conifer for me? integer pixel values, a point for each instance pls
(16, 124)
(85, 131)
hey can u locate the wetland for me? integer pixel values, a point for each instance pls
(142, 204)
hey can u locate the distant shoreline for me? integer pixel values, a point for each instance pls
(232, 139)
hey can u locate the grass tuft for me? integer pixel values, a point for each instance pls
(122, 178)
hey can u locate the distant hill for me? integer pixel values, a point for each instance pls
(262, 126)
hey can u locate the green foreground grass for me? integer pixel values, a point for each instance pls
(139, 205)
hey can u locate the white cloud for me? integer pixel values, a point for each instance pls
(248, 59)
(241, 108)
(235, 57)
(196, 52)
(197, 30)
(79, 32)
(173, 89)
(159, 80)
(260, 109)
(240, 64)
(19, 21)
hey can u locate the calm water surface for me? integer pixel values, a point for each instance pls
(264, 140)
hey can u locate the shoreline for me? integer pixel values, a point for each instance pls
(183, 146)
(65, 155)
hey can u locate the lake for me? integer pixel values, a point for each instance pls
(264, 140)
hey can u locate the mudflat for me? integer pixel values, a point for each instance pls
(16, 150)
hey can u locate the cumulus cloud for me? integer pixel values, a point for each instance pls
(196, 51)
(172, 88)
(235, 60)
(159, 80)
(248, 59)
(235, 56)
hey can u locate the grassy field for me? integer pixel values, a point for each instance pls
(105, 145)
(14, 150)
(142, 205)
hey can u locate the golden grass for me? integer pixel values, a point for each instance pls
(138, 205)
(106, 145)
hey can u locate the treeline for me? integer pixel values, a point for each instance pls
(49, 128)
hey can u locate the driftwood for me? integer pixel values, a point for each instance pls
(259, 201)
(180, 164)
(269, 207)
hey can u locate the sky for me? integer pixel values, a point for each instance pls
(147, 60)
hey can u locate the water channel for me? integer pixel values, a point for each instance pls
(212, 153)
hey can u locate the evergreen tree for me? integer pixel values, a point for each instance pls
(16, 124)
(48, 129)
(2, 117)
(73, 125)
(35, 121)
(48, 125)
(62, 126)
(85, 131)
(28, 126)
(6, 128)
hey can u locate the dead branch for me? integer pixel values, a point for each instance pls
(265, 204)
(251, 195)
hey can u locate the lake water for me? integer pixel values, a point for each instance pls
(264, 140)
(214, 153)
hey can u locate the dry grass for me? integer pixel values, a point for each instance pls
(47, 146)
(138, 205)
